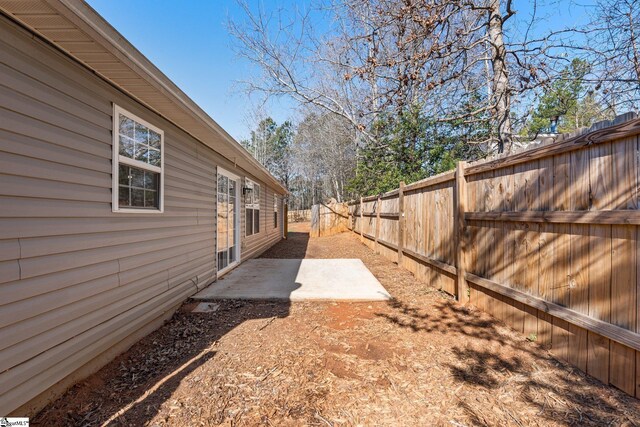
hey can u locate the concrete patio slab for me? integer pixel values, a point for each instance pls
(298, 280)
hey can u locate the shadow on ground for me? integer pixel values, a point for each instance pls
(295, 246)
(493, 357)
(131, 389)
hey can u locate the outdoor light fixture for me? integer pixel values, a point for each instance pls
(246, 190)
(553, 126)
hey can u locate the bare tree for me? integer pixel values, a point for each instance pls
(383, 56)
(386, 55)
(291, 58)
(324, 154)
(613, 49)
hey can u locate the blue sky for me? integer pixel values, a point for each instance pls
(189, 42)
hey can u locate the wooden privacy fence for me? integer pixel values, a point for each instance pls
(329, 219)
(545, 240)
(300, 215)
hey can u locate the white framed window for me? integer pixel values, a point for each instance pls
(252, 207)
(275, 211)
(138, 164)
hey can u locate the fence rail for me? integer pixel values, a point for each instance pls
(545, 240)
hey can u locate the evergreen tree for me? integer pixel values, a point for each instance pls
(411, 147)
(270, 144)
(568, 98)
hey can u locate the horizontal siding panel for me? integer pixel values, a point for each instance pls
(37, 266)
(29, 147)
(16, 290)
(185, 202)
(27, 126)
(260, 245)
(27, 380)
(75, 305)
(191, 276)
(132, 262)
(9, 249)
(206, 217)
(31, 87)
(193, 260)
(190, 164)
(46, 189)
(208, 155)
(9, 271)
(52, 70)
(16, 207)
(178, 184)
(45, 113)
(184, 147)
(197, 191)
(165, 264)
(11, 164)
(207, 278)
(189, 183)
(172, 173)
(183, 143)
(42, 227)
(34, 247)
(122, 300)
(191, 271)
(21, 310)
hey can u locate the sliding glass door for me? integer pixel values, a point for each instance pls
(228, 220)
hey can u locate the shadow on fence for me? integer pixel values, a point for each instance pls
(546, 241)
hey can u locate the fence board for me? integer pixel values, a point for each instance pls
(546, 241)
(560, 291)
(579, 247)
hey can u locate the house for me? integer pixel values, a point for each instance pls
(119, 198)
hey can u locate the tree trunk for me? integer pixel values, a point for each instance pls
(634, 46)
(313, 192)
(337, 187)
(501, 93)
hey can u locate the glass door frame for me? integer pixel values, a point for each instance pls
(237, 234)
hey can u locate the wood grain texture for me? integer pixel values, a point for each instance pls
(402, 223)
(560, 290)
(600, 187)
(459, 234)
(628, 217)
(579, 320)
(551, 247)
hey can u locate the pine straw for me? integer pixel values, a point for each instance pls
(419, 360)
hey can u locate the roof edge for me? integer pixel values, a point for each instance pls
(82, 14)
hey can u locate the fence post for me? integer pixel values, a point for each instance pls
(361, 222)
(377, 223)
(401, 222)
(459, 208)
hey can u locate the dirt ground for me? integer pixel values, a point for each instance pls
(415, 361)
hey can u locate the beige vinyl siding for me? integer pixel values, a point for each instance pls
(75, 277)
(256, 244)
